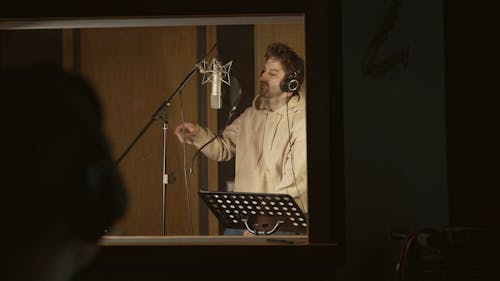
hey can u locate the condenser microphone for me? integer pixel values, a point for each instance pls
(215, 94)
(217, 74)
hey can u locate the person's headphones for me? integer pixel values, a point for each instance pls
(290, 83)
(96, 196)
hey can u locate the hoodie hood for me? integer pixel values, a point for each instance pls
(297, 102)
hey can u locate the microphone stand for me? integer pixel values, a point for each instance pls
(162, 113)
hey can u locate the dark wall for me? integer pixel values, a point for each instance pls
(394, 126)
(473, 98)
(421, 135)
(235, 43)
(20, 48)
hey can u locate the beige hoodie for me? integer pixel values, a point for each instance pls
(260, 140)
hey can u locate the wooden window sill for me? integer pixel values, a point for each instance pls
(211, 250)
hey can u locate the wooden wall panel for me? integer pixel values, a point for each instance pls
(291, 34)
(135, 70)
(213, 176)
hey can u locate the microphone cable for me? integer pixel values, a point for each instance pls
(200, 66)
(219, 133)
(186, 185)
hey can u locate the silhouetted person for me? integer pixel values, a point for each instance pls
(60, 190)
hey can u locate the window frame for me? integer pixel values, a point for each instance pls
(326, 240)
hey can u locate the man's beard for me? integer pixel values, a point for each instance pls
(266, 92)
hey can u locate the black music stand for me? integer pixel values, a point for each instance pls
(259, 213)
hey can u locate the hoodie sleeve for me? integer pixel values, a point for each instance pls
(223, 148)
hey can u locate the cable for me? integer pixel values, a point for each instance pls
(186, 186)
(292, 158)
(402, 265)
(411, 244)
(219, 133)
(199, 150)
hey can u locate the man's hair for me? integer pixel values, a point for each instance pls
(290, 60)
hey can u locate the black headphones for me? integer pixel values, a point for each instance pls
(290, 83)
(96, 195)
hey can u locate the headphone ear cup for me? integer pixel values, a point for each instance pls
(293, 85)
(95, 194)
(113, 195)
(84, 187)
(290, 83)
(99, 199)
(85, 206)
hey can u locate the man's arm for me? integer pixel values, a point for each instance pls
(222, 148)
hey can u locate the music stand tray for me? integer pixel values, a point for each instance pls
(259, 213)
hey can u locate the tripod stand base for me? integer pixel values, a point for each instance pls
(261, 229)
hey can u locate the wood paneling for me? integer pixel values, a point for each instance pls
(213, 177)
(134, 71)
